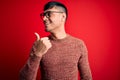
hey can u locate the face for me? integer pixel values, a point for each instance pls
(53, 19)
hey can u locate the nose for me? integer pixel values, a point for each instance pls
(44, 18)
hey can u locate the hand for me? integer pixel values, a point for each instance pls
(40, 46)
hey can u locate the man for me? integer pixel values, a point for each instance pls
(59, 55)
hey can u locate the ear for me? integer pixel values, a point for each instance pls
(63, 17)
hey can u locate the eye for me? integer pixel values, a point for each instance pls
(48, 14)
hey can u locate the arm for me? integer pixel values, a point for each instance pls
(29, 71)
(39, 48)
(83, 64)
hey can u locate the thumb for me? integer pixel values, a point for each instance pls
(37, 36)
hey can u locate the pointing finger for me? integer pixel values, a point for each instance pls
(37, 36)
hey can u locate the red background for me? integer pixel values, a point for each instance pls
(96, 22)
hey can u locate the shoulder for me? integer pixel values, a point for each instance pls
(79, 42)
(76, 40)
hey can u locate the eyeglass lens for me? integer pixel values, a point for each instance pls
(47, 14)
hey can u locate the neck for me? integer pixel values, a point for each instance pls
(59, 34)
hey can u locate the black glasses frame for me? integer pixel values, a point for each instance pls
(48, 13)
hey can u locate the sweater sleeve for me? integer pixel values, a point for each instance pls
(30, 69)
(83, 64)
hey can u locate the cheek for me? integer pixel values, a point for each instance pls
(59, 20)
(56, 20)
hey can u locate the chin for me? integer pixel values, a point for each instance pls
(47, 30)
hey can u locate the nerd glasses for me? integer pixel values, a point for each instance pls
(48, 13)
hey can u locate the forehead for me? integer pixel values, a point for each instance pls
(55, 8)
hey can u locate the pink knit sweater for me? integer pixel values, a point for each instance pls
(62, 62)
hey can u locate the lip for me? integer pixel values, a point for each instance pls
(46, 23)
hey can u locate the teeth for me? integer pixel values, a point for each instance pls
(46, 23)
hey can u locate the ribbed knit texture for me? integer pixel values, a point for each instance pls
(62, 61)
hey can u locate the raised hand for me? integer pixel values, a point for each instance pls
(40, 46)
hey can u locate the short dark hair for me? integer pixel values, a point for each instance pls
(52, 4)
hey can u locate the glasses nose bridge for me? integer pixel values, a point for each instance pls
(42, 16)
(45, 17)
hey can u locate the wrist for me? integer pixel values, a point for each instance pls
(39, 55)
(35, 55)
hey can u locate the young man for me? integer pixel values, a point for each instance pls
(59, 55)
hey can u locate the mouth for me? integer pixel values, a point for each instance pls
(46, 23)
